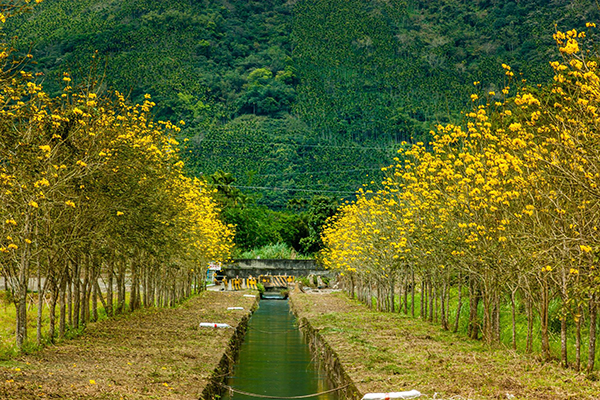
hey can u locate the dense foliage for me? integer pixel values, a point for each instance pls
(504, 208)
(297, 228)
(93, 191)
(362, 75)
(388, 70)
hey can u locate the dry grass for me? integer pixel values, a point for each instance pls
(154, 353)
(385, 352)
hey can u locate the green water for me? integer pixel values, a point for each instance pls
(274, 359)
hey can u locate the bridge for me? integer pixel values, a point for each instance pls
(244, 268)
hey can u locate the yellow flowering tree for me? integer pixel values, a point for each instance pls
(507, 200)
(93, 189)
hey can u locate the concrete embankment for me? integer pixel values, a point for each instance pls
(379, 352)
(214, 388)
(326, 356)
(152, 353)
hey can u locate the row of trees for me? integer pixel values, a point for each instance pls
(93, 200)
(503, 209)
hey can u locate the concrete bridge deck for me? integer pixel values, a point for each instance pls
(255, 267)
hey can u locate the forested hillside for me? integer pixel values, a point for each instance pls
(297, 98)
(389, 70)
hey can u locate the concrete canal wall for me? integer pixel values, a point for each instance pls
(327, 357)
(255, 267)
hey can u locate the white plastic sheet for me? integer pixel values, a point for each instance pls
(412, 394)
(214, 325)
(235, 308)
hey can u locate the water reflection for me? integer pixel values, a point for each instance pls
(274, 359)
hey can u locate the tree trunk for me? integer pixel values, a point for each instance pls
(436, 298)
(412, 293)
(496, 316)
(431, 300)
(21, 322)
(458, 305)
(40, 309)
(63, 306)
(70, 295)
(592, 339)
(52, 289)
(109, 291)
(578, 338)
(447, 299)
(120, 289)
(379, 299)
(544, 322)
(423, 300)
(173, 301)
(94, 287)
(563, 318)
(392, 299)
(76, 294)
(443, 318)
(406, 286)
(513, 309)
(529, 342)
(487, 318)
(54, 294)
(85, 293)
(474, 298)
(100, 295)
(133, 299)
(563, 341)
(147, 285)
(21, 300)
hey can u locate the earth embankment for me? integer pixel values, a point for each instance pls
(152, 353)
(390, 352)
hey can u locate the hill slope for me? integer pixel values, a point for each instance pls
(298, 97)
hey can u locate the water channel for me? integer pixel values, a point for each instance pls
(275, 360)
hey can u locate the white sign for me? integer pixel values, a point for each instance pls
(214, 267)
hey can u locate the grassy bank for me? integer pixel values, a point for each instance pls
(554, 313)
(151, 353)
(384, 352)
(9, 350)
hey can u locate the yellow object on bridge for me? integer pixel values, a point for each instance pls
(265, 280)
(275, 280)
(251, 283)
(236, 284)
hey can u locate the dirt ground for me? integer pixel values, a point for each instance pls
(150, 354)
(384, 352)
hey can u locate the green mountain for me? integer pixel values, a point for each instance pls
(304, 97)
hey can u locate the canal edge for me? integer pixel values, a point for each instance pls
(215, 386)
(326, 356)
